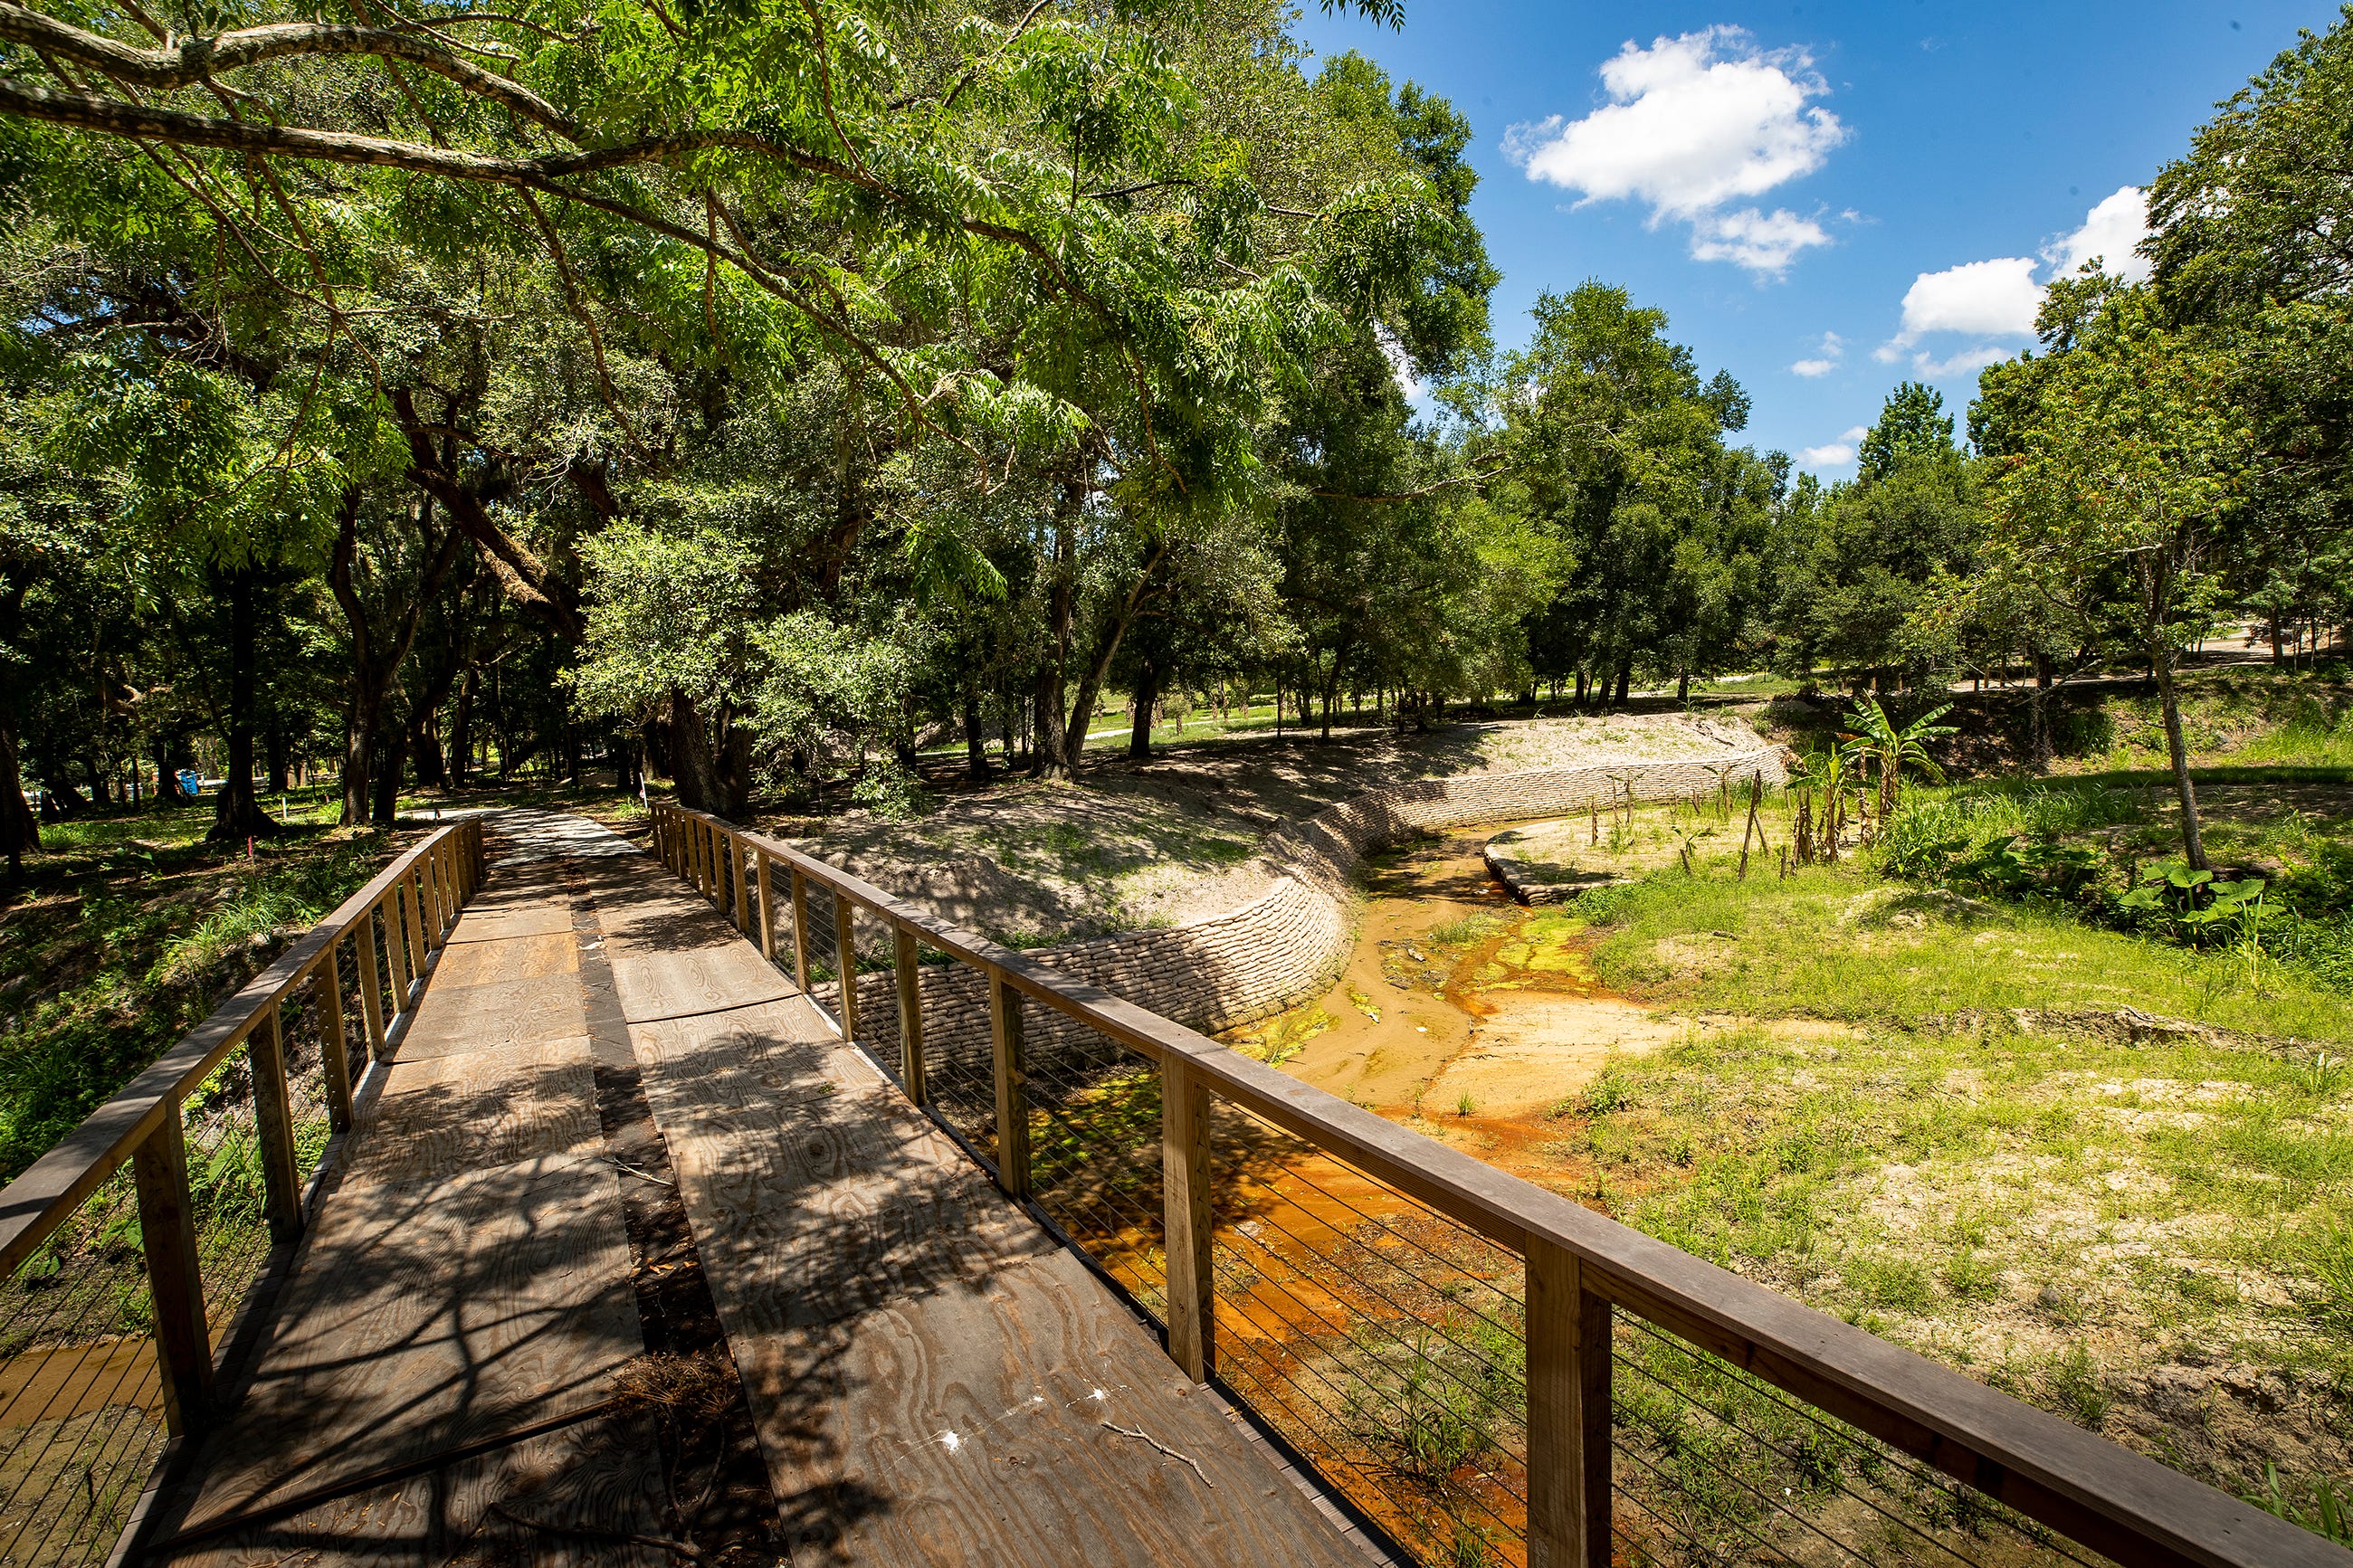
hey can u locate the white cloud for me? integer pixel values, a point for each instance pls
(1694, 123)
(1762, 242)
(1824, 360)
(2110, 231)
(1835, 453)
(1999, 298)
(1961, 364)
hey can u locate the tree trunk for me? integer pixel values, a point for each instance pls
(2039, 705)
(976, 741)
(20, 829)
(461, 730)
(277, 753)
(2193, 846)
(1142, 701)
(236, 814)
(1625, 680)
(392, 742)
(1682, 685)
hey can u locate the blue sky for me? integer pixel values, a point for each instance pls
(1826, 198)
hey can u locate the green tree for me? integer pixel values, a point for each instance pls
(1911, 424)
(2116, 504)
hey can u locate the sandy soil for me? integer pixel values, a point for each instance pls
(1132, 846)
(1454, 996)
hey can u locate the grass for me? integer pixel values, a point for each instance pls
(1835, 942)
(126, 931)
(2046, 1214)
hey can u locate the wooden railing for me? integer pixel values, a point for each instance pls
(408, 909)
(1581, 1269)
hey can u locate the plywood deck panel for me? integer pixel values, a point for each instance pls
(966, 1426)
(815, 1191)
(535, 918)
(601, 1474)
(486, 1017)
(546, 955)
(441, 1115)
(421, 1318)
(657, 985)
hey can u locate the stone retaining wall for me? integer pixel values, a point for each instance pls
(1286, 946)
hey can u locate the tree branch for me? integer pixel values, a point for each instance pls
(197, 58)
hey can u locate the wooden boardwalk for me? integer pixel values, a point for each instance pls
(931, 1380)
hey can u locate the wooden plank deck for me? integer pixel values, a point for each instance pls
(932, 1380)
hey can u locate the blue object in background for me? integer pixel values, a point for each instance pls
(191, 783)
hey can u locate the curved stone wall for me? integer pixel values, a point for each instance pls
(1286, 945)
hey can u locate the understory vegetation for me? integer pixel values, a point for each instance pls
(136, 932)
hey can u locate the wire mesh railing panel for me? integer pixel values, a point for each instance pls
(1713, 1466)
(82, 1408)
(1383, 1341)
(1094, 1155)
(824, 945)
(963, 1087)
(227, 1190)
(306, 1080)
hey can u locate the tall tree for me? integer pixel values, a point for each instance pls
(2118, 501)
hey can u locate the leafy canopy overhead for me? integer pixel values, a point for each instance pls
(1034, 229)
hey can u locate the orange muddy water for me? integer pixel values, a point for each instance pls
(1459, 1006)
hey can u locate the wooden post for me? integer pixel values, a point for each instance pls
(1012, 1104)
(1184, 1166)
(431, 899)
(764, 890)
(395, 948)
(800, 930)
(743, 886)
(1568, 1413)
(273, 1119)
(371, 985)
(168, 1229)
(911, 1017)
(845, 959)
(414, 916)
(706, 841)
(334, 1060)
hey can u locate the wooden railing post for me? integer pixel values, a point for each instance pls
(1569, 1413)
(1185, 1167)
(396, 948)
(167, 1230)
(415, 916)
(911, 1016)
(371, 985)
(800, 930)
(334, 1058)
(1012, 1103)
(764, 891)
(273, 1119)
(432, 897)
(845, 959)
(705, 861)
(743, 886)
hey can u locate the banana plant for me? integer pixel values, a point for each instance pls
(1880, 750)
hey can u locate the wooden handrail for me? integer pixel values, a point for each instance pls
(2096, 1491)
(141, 1122)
